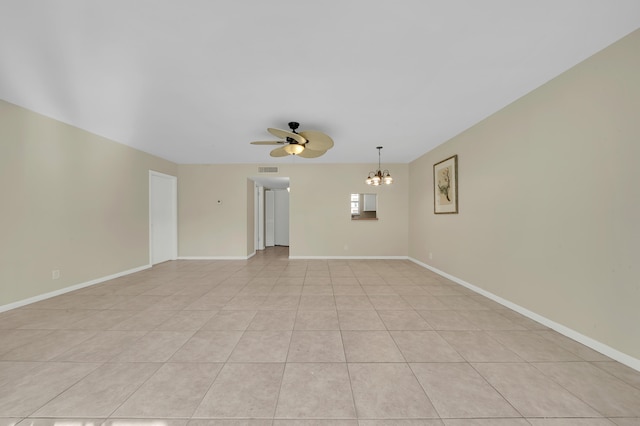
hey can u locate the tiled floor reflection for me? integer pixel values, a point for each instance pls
(273, 341)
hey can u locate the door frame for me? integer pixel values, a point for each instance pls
(174, 212)
(259, 217)
(265, 184)
(282, 210)
(269, 218)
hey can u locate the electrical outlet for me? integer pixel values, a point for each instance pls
(430, 256)
(55, 274)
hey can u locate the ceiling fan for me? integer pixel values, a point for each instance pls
(306, 144)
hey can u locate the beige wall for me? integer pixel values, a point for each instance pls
(320, 216)
(549, 201)
(207, 228)
(320, 222)
(71, 201)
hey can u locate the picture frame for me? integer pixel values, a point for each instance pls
(445, 186)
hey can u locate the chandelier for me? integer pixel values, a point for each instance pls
(379, 176)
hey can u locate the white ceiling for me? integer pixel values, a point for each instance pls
(195, 81)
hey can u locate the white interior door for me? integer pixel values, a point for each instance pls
(259, 226)
(281, 218)
(269, 218)
(163, 217)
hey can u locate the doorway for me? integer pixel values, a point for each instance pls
(271, 212)
(163, 217)
(276, 216)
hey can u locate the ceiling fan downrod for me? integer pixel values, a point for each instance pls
(293, 125)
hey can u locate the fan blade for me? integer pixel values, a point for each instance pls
(309, 153)
(317, 141)
(267, 143)
(283, 134)
(279, 152)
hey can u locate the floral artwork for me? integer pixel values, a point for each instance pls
(445, 190)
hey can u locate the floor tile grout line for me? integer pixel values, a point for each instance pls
(594, 363)
(204, 394)
(353, 397)
(284, 369)
(554, 380)
(67, 388)
(136, 389)
(496, 389)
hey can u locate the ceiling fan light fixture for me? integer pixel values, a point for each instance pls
(293, 149)
(379, 176)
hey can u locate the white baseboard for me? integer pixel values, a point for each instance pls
(215, 257)
(54, 293)
(349, 257)
(566, 331)
(293, 257)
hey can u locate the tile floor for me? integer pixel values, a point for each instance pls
(271, 341)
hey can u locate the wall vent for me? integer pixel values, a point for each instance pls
(267, 170)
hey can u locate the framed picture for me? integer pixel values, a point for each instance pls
(445, 186)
